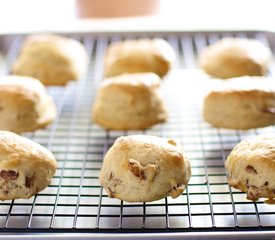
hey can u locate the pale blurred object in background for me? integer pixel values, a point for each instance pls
(115, 8)
(17, 16)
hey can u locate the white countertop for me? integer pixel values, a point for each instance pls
(28, 16)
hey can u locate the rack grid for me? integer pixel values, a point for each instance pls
(75, 201)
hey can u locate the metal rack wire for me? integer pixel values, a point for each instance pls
(75, 202)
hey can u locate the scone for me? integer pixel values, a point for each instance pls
(251, 167)
(142, 168)
(241, 103)
(230, 57)
(24, 104)
(52, 59)
(135, 56)
(25, 167)
(129, 101)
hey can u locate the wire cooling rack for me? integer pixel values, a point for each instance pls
(75, 201)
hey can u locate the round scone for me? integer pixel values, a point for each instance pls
(129, 101)
(251, 167)
(24, 104)
(234, 57)
(241, 103)
(25, 167)
(142, 168)
(135, 56)
(52, 59)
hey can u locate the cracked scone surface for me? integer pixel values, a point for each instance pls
(135, 56)
(141, 168)
(234, 57)
(129, 102)
(241, 103)
(24, 104)
(25, 166)
(52, 59)
(251, 167)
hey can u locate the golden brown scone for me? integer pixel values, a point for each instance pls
(129, 101)
(52, 59)
(241, 103)
(135, 56)
(142, 168)
(24, 104)
(25, 167)
(230, 57)
(251, 167)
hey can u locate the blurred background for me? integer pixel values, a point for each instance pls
(17, 16)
